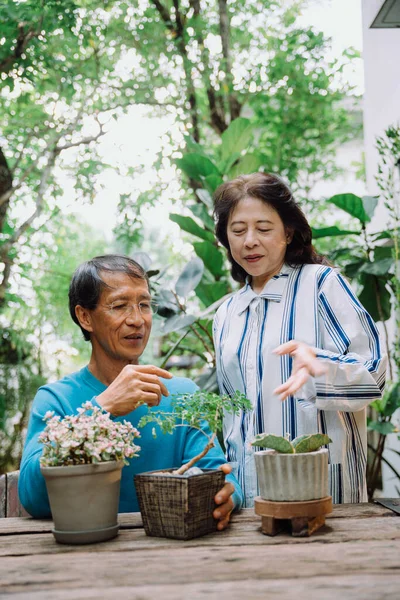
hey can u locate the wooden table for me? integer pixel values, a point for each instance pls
(356, 555)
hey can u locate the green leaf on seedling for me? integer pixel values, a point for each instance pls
(274, 442)
(310, 443)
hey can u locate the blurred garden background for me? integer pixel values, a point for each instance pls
(120, 118)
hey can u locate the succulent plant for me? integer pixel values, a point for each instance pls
(300, 445)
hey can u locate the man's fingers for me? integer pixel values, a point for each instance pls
(150, 398)
(223, 511)
(226, 468)
(164, 390)
(224, 494)
(153, 388)
(153, 370)
(148, 379)
(224, 523)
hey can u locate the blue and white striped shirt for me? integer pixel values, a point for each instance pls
(312, 304)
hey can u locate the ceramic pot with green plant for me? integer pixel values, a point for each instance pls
(82, 459)
(179, 503)
(294, 471)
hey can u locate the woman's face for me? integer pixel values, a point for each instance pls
(257, 240)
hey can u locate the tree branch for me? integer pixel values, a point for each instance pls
(217, 116)
(86, 140)
(224, 29)
(23, 39)
(163, 11)
(194, 460)
(179, 30)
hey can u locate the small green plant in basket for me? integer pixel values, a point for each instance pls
(174, 504)
(191, 410)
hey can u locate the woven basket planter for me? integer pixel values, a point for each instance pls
(178, 507)
(292, 477)
(84, 501)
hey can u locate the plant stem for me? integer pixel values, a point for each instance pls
(376, 465)
(172, 350)
(194, 460)
(197, 334)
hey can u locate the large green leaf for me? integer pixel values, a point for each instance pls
(226, 164)
(352, 204)
(384, 428)
(211, 182)
(178, 322)
(369, 204)
(196, 166)
(331, 231)
(190, 277)
(374, 286)
(353, 269)
(205, 197)
(211, 257)
(378, 267)
(209, 293)
(190, 226)
(143, 259)
(383, 252)
(202, 212)
(236, 138)
(193, 147)
(383, 235)
(249, 163)
(391, 400)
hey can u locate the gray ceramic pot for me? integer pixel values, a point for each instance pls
(292, 477)
(84, 501)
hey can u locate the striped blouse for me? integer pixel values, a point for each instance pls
(313, 304)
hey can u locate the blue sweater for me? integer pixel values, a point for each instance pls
(165, 451)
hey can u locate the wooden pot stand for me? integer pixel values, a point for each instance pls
(301, 518)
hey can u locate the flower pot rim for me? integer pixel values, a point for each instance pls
(271, 452)
(107, 465)
(175, 475)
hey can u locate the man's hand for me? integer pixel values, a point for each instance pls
(224, 500)
(135, 385)
(305, 364)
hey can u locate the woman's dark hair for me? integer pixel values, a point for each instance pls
(86, 284)
(274, 192)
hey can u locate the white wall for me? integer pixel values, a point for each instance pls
(381, 52)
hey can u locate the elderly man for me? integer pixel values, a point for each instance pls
(109, 299)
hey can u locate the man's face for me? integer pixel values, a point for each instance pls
(119, 329)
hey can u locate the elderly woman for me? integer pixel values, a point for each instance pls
(294, 338)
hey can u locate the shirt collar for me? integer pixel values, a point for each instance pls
(273, 290)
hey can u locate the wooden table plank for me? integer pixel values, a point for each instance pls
(349, 587)
(12, 525)
(134, 520)
(190, 565)
(241, 533)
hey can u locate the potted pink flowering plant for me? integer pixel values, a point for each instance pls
(81, 462)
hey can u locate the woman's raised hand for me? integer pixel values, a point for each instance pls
(305, 365)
